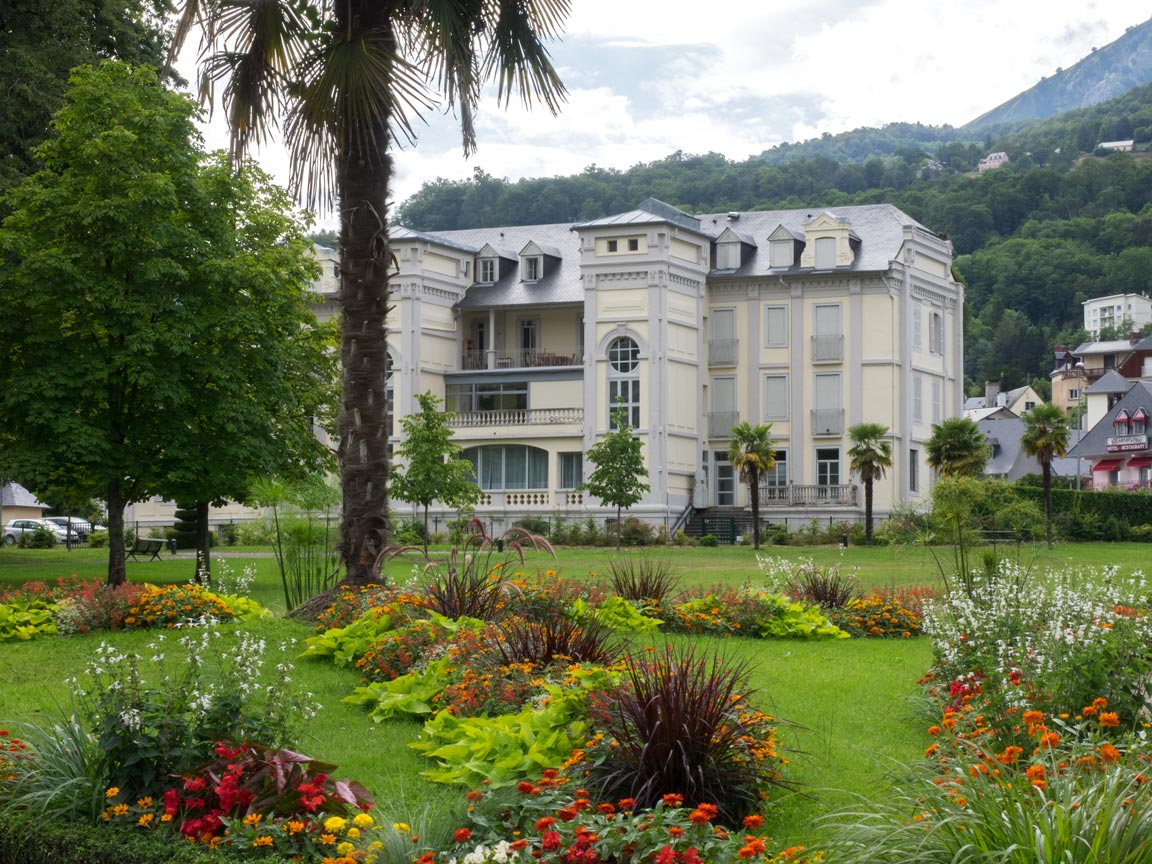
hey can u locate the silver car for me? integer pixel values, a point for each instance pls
(14, 529)
(81, 528)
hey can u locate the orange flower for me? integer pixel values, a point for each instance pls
(673, 800)
(1099, 703)
(1049, 739)
(1010, 755)
(1035, 775)
(1109, 719)
(699, 817)
(1033, 717)
(1108, 754)
(675, 831)
(753, 821)
(933, 731)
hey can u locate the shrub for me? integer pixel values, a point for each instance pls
(827, 587)
(636, 533)
(681, 724)
(349, 604)
(534, 525)
(229, 533)
(98, 539)
(93, 605)
(38, 538)
(260, 532)
(26, 618)
(55, 768)
(746, 612)
(709, 540)
(642, 579)
(396, 653)
(490, 691)
(877, 614)
(540, 596)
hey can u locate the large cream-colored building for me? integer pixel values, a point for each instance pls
(811, 320)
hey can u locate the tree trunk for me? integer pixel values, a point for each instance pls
(425, 530)
(617, 527)
(203, 545)
(363, 172)
(1046, 468)
(868, 511)
(754, 496)
(117, 561)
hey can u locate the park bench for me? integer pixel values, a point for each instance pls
(146, 546)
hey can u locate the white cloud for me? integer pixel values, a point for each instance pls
(649, 77)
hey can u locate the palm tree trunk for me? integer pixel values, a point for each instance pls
(1046, 467)
(754, 496)
(363, 173)
(868, 512)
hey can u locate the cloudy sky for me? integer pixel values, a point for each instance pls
(646, 78)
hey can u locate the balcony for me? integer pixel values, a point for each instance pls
(472, 359)
(720, 423)
(517, 417)
(827, 348)
(793, 495)
(723, 352)
(827, 421)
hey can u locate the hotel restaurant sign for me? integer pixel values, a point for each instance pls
(1123, 443)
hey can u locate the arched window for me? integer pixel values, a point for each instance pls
(624, 380)
(509, 466)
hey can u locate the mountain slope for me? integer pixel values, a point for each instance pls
(1104, 74)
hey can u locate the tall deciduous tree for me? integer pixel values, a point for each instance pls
(957, 448)
(137, 285)
(871, 456)
(348, 79)
(1046, 436)
(41, 41)
(433, 469)
(752, 453)
(618, 478)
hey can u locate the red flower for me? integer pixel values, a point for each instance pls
(626, 803)
(550, 841)
(606, 809)
(544, 823)
(699, 817)
(462, 835)
(525, 788)
(566, 814)
(475, 795)
(673, 800)
(753, 821)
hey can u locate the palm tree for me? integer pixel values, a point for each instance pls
(348, 80)
(871, 455)
(1046, 436)
(752, 454)
(957, 448)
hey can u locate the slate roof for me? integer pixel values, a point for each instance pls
(1115, 346)
(1094, 441)
(1110, 382)
(1009, 459)
(879, 228)
(15, 495)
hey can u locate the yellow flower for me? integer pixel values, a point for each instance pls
(112, 792)
(334, 824)
(253, 819)
(146, 819)
(401, 827)
(353, 834)
(345, 849)
(262, 841)
(293, 826)
(145, 802)
(327, 839)
(363, 820)
(120, 810)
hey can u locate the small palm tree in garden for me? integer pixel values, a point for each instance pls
(752, 453)
(871, 455)
(1046, 436)
(957, 448)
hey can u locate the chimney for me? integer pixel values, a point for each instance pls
(991, 392)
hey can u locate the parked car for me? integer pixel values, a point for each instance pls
(81, 528)
(17, 527)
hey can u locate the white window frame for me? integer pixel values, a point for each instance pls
(937, 400)
(769, 412)
(533, 268)
(565, 460)
(821, 468)
(825, 247)
(777, 475)
(782, 342)
(917, 325)
(727, 256)
(913, 470)
(782, 253)
(623, 354)
(917, 397)
(486, 272)
(936, 333)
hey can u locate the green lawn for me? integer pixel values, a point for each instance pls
(852, 701)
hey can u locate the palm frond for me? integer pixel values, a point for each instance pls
(355, 92)
(516, 55)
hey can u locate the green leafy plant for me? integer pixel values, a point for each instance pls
(615, 613)
(55, 767)
(827, 587)
(25, 619)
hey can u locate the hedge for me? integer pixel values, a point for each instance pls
(40, 840)
(1134, 508)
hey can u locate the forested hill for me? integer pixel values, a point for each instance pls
(1104, 74)
(1033, 239)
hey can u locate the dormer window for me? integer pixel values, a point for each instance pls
(727, 256)
(533, 268)
(825, 253)
(782, 252)
(1139, 422)
(487, 270)
(1120, 424)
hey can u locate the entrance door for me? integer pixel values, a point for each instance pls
(725, 479)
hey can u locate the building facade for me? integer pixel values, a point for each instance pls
(810, 320)
(1129, 311)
